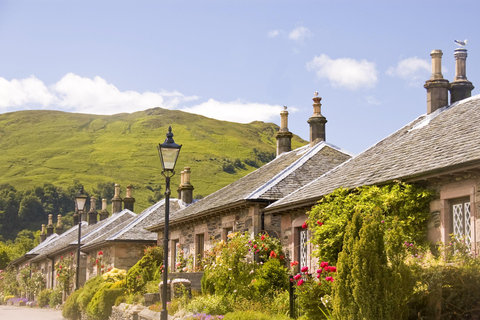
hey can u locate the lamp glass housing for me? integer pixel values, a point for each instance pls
(168, 152)
(80, 200)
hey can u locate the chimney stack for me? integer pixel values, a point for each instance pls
(59, 227)
(460, 88)
(317, 122)
(185, 190)
(116, 200)
(50, 225)
(437, 86)
(104, 212)
(43, 235)
(92, 214)
(283, 136)
(128, 201)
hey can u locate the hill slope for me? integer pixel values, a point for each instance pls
(59, 147)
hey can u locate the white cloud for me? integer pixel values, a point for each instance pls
(273, 33)
(300, 34)
(414, 70)
(345, 72)
(237, 111)
(373, 100)
(96, 96)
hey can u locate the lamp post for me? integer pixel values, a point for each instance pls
(80, 200)
(168, 152)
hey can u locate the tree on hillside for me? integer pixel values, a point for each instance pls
(31, 212)
(9, 205)
(104, 190)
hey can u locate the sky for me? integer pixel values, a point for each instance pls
(238, 61)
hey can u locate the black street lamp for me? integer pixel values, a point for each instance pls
(80, 200)
(168, 152)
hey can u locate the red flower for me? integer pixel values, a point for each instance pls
(266, 249)
(323, 264)
(273, 254)
(61, 257)
(304, 269)
(60, 267)
(294, 263)
(281, 257)
(318, 276)
(304, 225)
(319, 271)
(100, 253)
(255, 246)
(331, 269)
(102, 267)
(298, 276)
(71, 253)
(300, 282)
(320, 223)
(329, 279)
(96, 261)
(262, 237)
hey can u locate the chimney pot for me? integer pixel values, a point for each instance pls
(186, 188)
(59, 227)
(460, 88)
(317, 122)
(92, 214)
(43, 235)
(116, 200)
(437, 87)
(283, 136)
(104, 212)
(50, 225)
(128, 201)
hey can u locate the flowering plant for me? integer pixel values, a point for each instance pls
(98, 263)
(65, 272)
(266, 247)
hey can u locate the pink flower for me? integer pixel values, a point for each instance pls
(323, 264)
(319, 271)
(304, 225)
(300, 282)
(257, 251)
(318, 276)
(332, 269)
(298, 276)
(255, 246)
(304, 269)
(329, 279)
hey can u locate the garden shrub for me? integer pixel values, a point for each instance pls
(249, 315)
(55, 297)
(71, 308)
(271, 278)
(43, 297)
(152, 286)
(145, 269)
(89, 290)
(210, 304)
(102, 302)
(329, 218)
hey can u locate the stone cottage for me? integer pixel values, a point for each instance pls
(439, 149)
(240, 205)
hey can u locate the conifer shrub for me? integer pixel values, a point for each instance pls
(271, 279)
(145, 270)
(71, 308)
(55, 297)
(102, 302)
(89, 290)
(43, 297)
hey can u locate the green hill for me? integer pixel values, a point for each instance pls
(56, 147)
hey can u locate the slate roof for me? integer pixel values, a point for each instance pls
(133, 229)
(446, 138)
(276, 179)
(69, 238)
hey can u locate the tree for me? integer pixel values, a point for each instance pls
(31, 212)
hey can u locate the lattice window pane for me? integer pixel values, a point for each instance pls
(303, 248)
(461, 221)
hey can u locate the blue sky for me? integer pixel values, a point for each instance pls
(235, 60)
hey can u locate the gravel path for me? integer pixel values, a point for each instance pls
(26, 313)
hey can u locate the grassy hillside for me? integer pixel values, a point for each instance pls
(59, 147)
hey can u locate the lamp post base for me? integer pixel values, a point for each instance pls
(164, 315)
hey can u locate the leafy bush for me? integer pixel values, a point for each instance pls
(89, 290)
(329, 218)
(100, 307)
(145, 269)
(55, 297)
(210, 304)
(71, 308)
(271, 278)
(152, 286)
(43, 297)
(249, 315)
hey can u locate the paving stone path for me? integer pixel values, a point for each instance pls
(26, 313)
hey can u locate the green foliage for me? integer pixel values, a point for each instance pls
(65, 270)
(227, 270)
(55, 297)
(265, 247)
(329, 218)
(71, 308)
(89, 290)
(249, 315)
(43, 297)
(270, 279)
(100, 307)
(152, 286)
(210, 304)
(145, 269)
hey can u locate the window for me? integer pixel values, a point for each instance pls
(226, 232)
(461, 219)
(302, 250)
(199, 249)
(175, 251)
